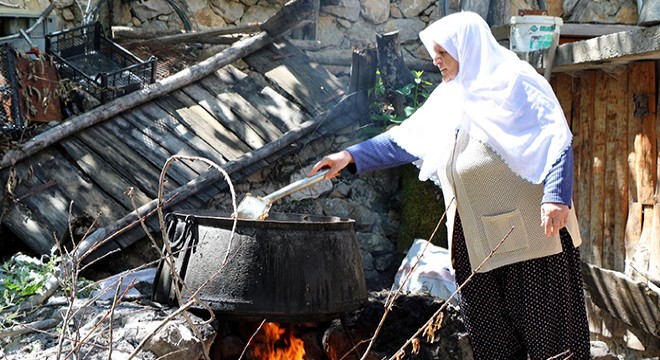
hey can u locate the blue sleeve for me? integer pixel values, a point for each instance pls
(379, 152)
(558, 185)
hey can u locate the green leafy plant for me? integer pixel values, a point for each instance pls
(22, 276)
(415, 94)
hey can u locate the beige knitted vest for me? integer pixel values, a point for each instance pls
(492, 201)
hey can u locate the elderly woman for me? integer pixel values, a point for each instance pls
(493, 136)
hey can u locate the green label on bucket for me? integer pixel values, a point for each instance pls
(538, 42)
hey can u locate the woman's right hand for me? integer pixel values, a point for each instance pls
(334, 163)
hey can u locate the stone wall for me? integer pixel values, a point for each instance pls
(342, 24)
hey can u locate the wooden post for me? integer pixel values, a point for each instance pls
(363, 77)
(393, 70)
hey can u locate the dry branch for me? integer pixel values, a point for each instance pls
(444, 305)
(215, 36)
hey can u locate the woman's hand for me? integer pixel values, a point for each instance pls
(554, 216)
(334, 162)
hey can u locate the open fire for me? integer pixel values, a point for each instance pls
(277, 343)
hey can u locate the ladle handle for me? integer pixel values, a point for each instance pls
(295, 186)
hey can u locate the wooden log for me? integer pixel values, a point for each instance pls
(363, 76)
(393, 70)
(277, 25)
(344, 58)
(334, 119)
(225, 36)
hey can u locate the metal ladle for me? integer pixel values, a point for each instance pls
(257, 207)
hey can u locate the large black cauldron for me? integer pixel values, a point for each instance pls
(287, 268)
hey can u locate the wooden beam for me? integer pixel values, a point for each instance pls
(573, 30)
(277, 25)
(609, 50)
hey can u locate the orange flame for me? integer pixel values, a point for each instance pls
(278, 344)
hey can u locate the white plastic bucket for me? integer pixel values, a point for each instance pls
(533, 32)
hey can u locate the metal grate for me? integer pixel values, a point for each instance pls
(10, 113)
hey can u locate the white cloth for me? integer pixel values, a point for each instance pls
(497, 98)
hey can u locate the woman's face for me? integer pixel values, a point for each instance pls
(446, 63)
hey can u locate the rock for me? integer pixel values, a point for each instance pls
(408, 29)
(600, 351)
(609, 12)
(375, 243)
(412, 8)
(375, 11)
(257, 14)
(151, 9)
(131, 324)
(346, 9)
(329, 31)
(231, 11)
(197, 5)
(207, 18)
(68, 15)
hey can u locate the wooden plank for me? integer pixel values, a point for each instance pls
(615, 203)
(573, 30)
(177, 120)
(225, 115)
(205, 125)
(283, 113)
(102, 174)
(585, 160)
(158, 125)
(146, 147)
(633, 302)
(598, 152)
(123, 159)
(563, 86)
(243, 109)
(289, 68)
(613, 49)
(620, 112)
(642, 132)
(31, 191)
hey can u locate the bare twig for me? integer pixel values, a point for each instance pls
(563, 356)
(390, 299)
(444, 305)
(171, 316)
(251, 338)
(112, 312)
(21, 329)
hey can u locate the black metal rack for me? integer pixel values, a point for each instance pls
(84, 55)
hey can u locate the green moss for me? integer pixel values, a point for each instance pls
(422, 206)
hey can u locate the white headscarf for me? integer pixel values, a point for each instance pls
(497, 98)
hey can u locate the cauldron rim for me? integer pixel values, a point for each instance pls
(273, 218)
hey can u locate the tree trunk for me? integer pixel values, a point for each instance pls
(393, 70)
(363, 77)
